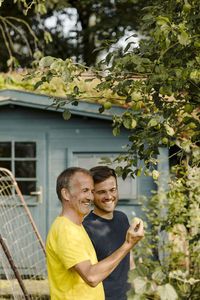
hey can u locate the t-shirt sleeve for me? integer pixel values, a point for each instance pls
(71, 248)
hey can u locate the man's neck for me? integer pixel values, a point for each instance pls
(103, 214)
(72, 216)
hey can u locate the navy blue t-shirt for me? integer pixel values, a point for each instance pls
(107, 236)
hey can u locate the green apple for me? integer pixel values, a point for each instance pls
(107, 105)
(137, 220)
(165, 140)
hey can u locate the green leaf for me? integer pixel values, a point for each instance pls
(108, 57)
(12, 62)
(158, 276)
(56, 65)
(37, 84)
(161, 22)
(128, 99)
(152, 123)
(116, 131)
(185, 146)
(127, 123)
(132, 274)
(169, 130)
(183, 38)
(187, 7)
(47, 37)
(46, 61)
(41, 8)
(66, 75)
(135, 96)
(135, 106)
(118, 170)
(142, 269)
(167, 292)
(76, 90)
(188, 108)
(75, 103)
(195, 75)
(196, 44)
(133, 124)
(127, 47)
(165, 19)
(139, 171)
(196, 153)
(105, 160)
(89, 79)
(49, 77)
(66, 114)
(101, 109)
(139, 285)
(155, 174)
(147, 17)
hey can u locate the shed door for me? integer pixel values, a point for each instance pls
(24, 156)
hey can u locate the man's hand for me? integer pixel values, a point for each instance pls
(92, 274)
(135, 232)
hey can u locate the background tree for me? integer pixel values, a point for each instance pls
(94, 22)
(159, 82)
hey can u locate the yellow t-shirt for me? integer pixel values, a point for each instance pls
(67, 245)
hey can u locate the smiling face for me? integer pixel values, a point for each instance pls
(105, 197)
(80, 194)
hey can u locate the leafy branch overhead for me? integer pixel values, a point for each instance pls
(157, 81)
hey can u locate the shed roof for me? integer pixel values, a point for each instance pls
(35, 100)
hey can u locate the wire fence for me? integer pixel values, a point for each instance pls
(22, 252)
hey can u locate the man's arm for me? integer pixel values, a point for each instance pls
(94, 274)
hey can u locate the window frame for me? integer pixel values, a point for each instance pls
(12, 159)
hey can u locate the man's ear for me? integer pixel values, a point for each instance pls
(65, 194)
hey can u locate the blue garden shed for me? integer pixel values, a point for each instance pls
(36, 144)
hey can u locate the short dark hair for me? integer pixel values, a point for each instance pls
(101, 173)
(64, 179)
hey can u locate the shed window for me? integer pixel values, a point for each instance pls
(127, 188)
(20, 158)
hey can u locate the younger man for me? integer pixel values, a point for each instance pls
(107, 229)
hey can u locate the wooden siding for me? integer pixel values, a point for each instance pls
(60, 139)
